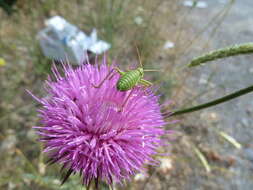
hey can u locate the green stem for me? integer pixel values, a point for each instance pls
(214, 102)
(222, 53)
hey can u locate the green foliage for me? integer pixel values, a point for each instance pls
(7, 6)
(52, 182)
(42, 65)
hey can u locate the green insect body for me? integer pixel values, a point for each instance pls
(127, 81)
(130, 79)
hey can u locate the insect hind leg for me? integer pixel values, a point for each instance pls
(106, 77)
(119, 71)
(126, 100)
(146, 84)
(109, 77)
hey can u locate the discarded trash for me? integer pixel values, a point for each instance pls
(138, 20)
(2, 62)
(140, 177)
(168, 45)
(198, 4)
(62, 40)
(166, 165)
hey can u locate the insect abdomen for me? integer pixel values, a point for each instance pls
(128, 80)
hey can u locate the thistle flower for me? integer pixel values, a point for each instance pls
(83, 129)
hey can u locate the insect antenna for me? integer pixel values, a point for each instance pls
(151, 70)
(139, 57)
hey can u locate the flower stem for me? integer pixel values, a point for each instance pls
(214, 102)
(222, 53)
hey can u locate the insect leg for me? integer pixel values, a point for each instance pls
(145, 82)
(109, 77)
(124, 103)
(102, 82)
(119, 71)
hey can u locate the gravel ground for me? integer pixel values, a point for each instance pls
(224, 77)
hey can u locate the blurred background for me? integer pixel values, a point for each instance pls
(168, 33)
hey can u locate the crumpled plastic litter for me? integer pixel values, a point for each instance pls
(168, 45)
(198, 4)
(61, 40)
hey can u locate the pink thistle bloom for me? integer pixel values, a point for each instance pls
(83, 129)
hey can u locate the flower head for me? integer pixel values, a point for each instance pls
(84, 129)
